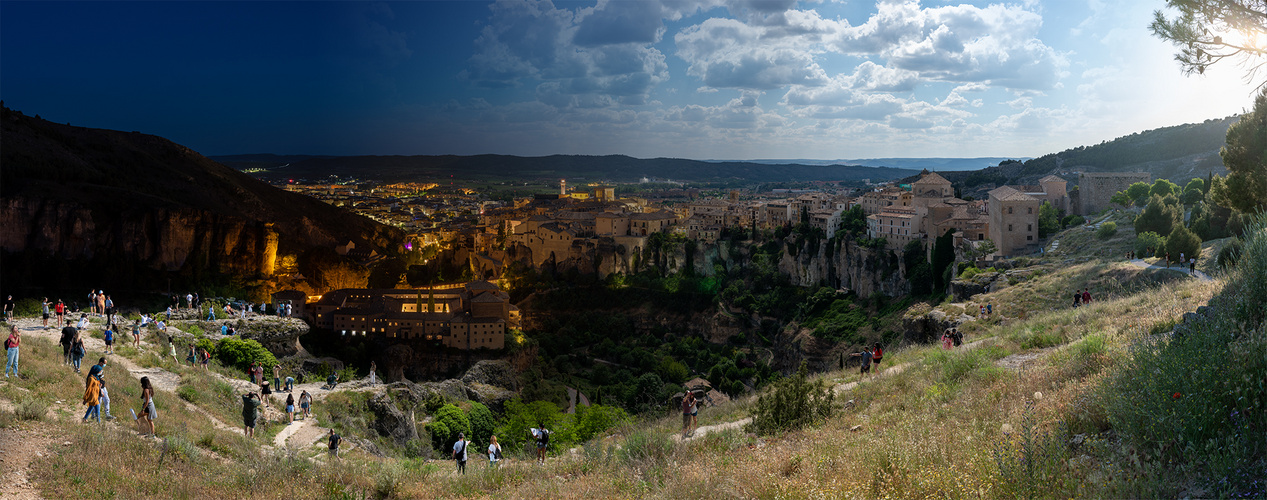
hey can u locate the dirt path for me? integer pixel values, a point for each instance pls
(18, 448)
(1178, 268)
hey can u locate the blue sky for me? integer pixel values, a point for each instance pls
(702, 79)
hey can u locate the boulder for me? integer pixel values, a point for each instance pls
(279, 335)
(928, 327)
(313, 365)
(497, 373)
(493, 397)
(389, 421)
(451, 390)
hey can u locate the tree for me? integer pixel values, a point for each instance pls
(1157, 217)
(1147, 241)
(1048, 220)
(445, 425)
(1163, 187)
(1138, 192)
(1194, 191)
(482, 422)
(1121, 198)
(344, 275)
(1209, 31)
(387, 274)
(1245, 157)
(1182, 241)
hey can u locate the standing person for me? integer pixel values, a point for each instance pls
(197, 300)
(1077, 298)
(305, 403)
(45, 304)
(867, 356)
(193, 356)
(108, 336)
(68, 336)
(277, 375)
(11, 345)
(109, 310)
(92, 398)
(542, 435)
(148, 413)
(290, 408)
(459, 452)
(251, 372)
(250, 412)
(688, 400)
(373, 375)
(77, 351)
(1192, 269)
(1167, 260)
(334, 444)
(8, 309)
(101, 303)
(876, 356)
(989, 309)
(92, 300)
(982, 310)
(259, 374)
(494, 452)
(946, 340)
(266, 393)
(1086, 296)
(694, 412)
(136, 334)
(105, 401)
(60, 310)
(956, 337)
(189, 300)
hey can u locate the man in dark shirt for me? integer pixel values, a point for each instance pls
(68, 335)
(8, 309)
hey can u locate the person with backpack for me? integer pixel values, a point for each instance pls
(459, 452)
(494, 452)
(250, 412)
(542, 436)
(92, 398)
(77, 351)
(11, 344)
(109, 307)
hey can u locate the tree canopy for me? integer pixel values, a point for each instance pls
(1209, 31)
(1245, 156)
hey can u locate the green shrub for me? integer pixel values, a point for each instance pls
(30, 409)
(28, 307)
(1229, 254)
(241, 354)
(1073, 220)
(1106, 231)
(646, 449)
(1147, 240)
(793, 403)
(482, 422)
(445, 425)
(1185, 242)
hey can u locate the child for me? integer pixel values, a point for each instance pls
(105, 401)
(109, 338)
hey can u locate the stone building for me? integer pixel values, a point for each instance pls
(1013, 221)
(471, 315)
(1095, 188)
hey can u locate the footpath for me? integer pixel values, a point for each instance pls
(1143, 264)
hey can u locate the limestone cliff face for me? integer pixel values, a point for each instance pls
(167, 239)
(848, 266)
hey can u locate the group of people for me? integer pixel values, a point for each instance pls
(690, 413)
(951, 338)
(869, 357)
(97, 399)
(461, 448)
(1082, 298)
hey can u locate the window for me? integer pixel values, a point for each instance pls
(1029, 227)
(1009, 210)
(1029, 237)
(1009, 227)
(980, 236)
(1030, 210)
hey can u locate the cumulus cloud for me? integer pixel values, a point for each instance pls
(727, 53)
(996, 45)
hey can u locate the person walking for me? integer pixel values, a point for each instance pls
(1192, 268)
(109, 308)
(105, 401)
(305, 403)
(101, 303)
(68, 336)
(494, 452)
(1086, 296)
(542, 436)
(876, 356)
(459, 452)
(335, 439)
(946, 341)
(8, 309)
(77, 351)
(290, 408)
(45, 305)
(250, 412)
(60, 311)
(92, 398)
(108, 337)
(11, 345)
(136, 334)
(148, 412)
(867, 356)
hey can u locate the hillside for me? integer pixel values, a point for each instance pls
(120, 198)
(1177, 153)
(614, 168)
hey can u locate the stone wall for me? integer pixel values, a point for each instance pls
(1095, 188)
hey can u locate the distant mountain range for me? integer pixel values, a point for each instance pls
(931, 164)
(615, 168)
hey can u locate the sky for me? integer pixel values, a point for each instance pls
(700, 79)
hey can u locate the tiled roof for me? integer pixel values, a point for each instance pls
(1050, 178)
(932, 178)
(1007, 193)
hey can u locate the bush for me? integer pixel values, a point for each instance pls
(1183, 241)
(30, 409)
(1149, 240)
(445, 425)
(28, 307)
(793, 403)
(1073, 220)
(1229, 254)
(241, 354)
(1106, 231)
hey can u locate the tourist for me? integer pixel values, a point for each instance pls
(688, 401)
(108, 337)
(542, 436)
(169, 313)
(1167, 260)
(694, 412)
(136, 333)
(956, 337)
(290, 384)
(250, 412)
(98, 370)
(11, 345)
(946, 340)
(334, 444)
(277, 375)
(459, 452)
(189, 300)
(8, 309)
(109, 309)
(290, 408)
(373, 376)
(193, 356)
(83, 321)
(105, 401)
(92, 398)
(148, 412)
(867, 356)
(989, 309)
(92, 300)
(161, 326)
(60, 311)
(77, 351)
(206, 359)
(494, 452)
(876, 356)
(265, 393)
(1086, 296)
(101, 303)
(982, 310)
(1192, 269)
(332, 381)
(68, 336)
(259, 373)
(305, 403)
(251, 371)
(45, 305)
(211, 313)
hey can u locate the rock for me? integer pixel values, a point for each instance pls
(389, 421)
(1190, 318)
(855, 428)
(496, 373)
(928, 327)
(1206, 311)
(493, 397)
(1078, 439)
(451, 390)
(314, 365)
(279, 335)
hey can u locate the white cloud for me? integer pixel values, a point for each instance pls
(726, 53)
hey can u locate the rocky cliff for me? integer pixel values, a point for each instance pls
(109, 197)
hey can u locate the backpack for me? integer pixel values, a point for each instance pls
(7, 342)
(457, 454)
(77, 350)
(544, 437)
